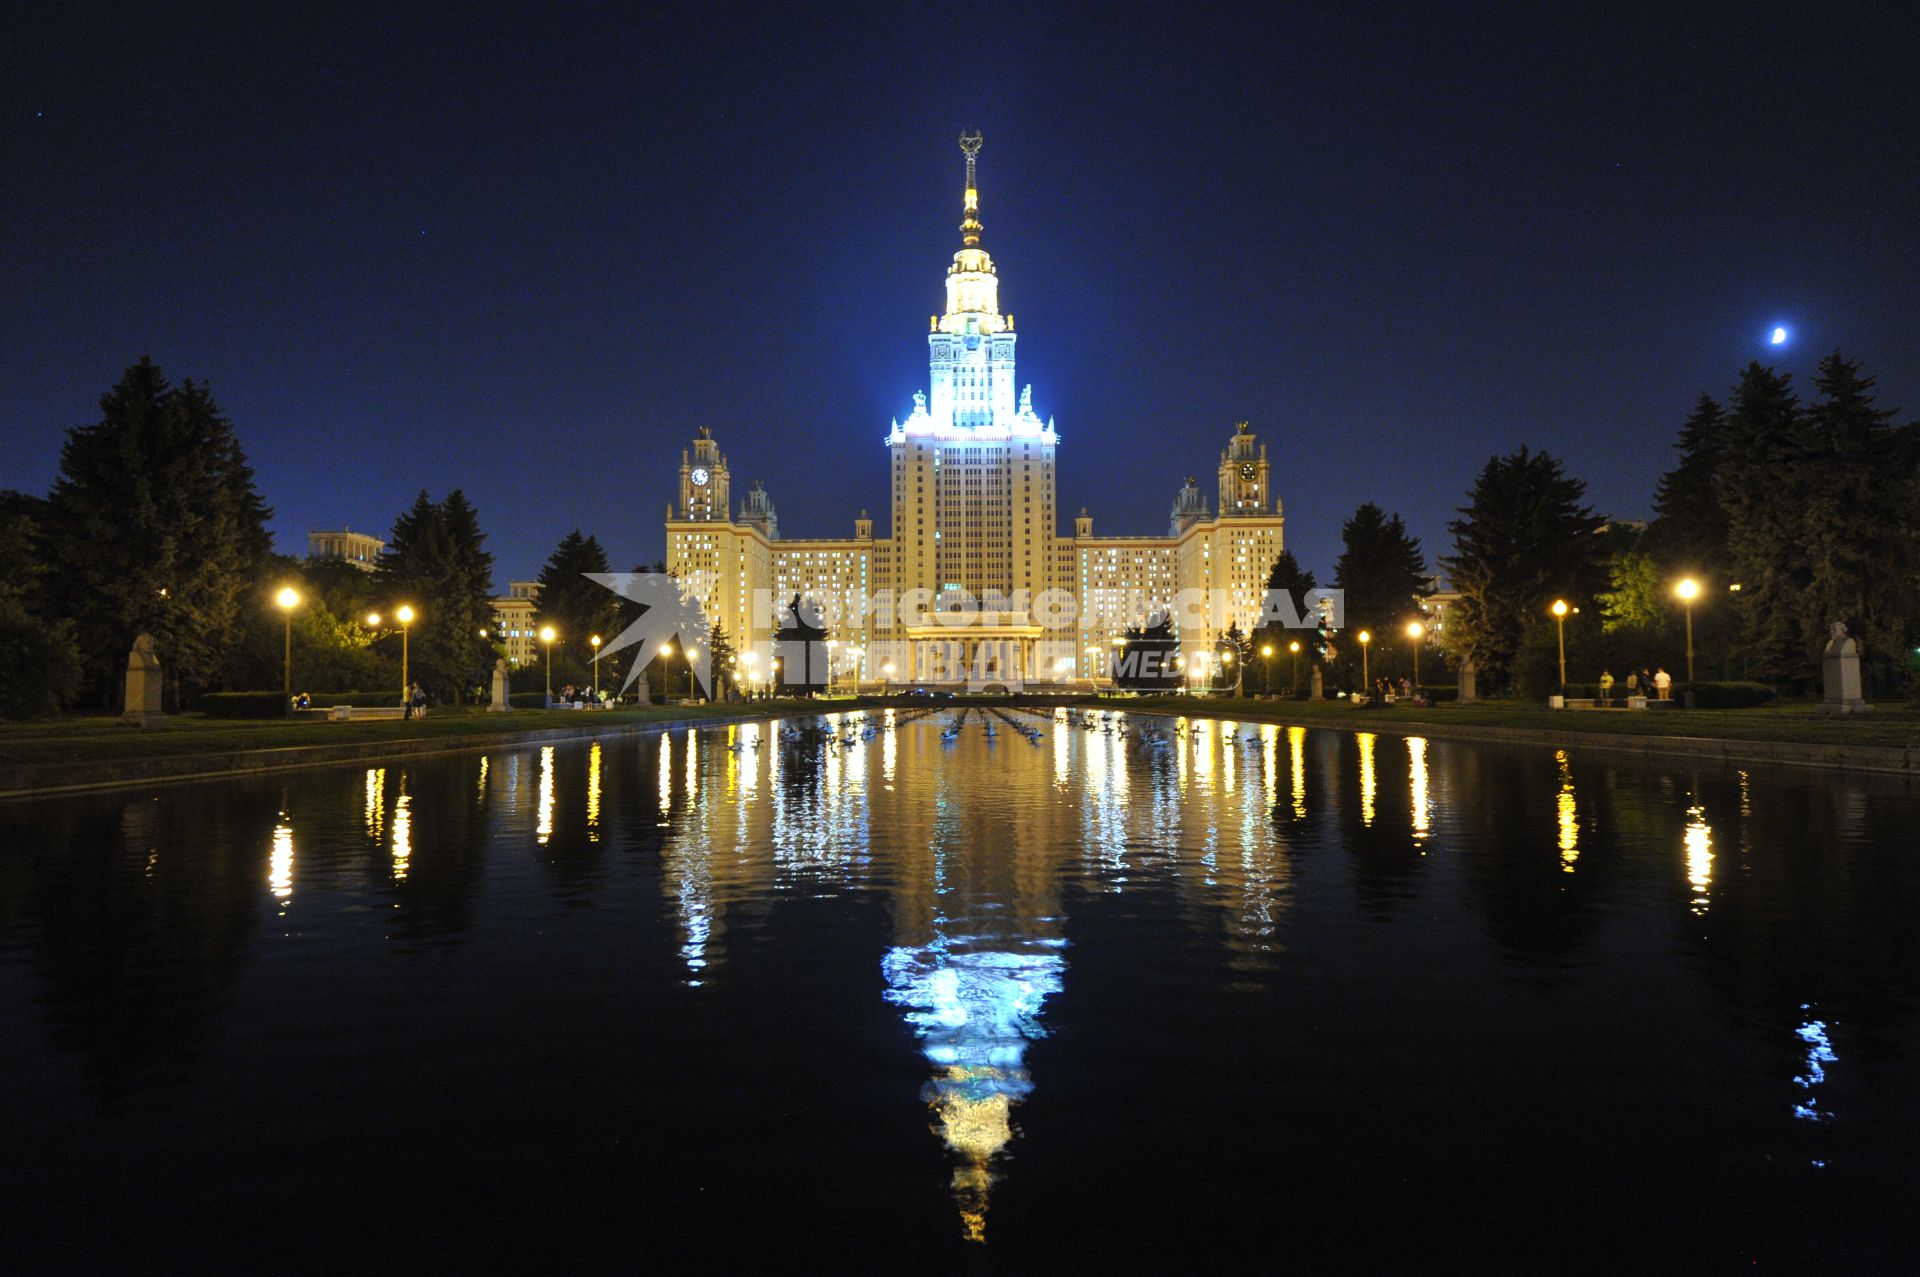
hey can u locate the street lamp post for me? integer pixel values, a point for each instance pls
(1689, 590)
(404, 615)
(288, 599)
(692, 655)
(595, 640)
(547, 636)
(1560, 624)
(1366, 680)
(1294, 647)
(1415, 631)
(751, 657)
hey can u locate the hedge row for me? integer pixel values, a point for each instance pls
(243, 705)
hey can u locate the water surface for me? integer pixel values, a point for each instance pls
(875, 991)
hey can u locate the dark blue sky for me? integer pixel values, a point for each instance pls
(529, 254)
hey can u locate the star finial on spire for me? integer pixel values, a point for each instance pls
(970, 142)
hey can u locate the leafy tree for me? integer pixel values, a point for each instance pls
(1638, 597)
(1523, 539)
(153, 526)
(436, 562)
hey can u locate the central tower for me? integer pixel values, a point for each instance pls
(973, 483)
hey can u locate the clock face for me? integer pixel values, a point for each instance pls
(1247, 471)
(700, 476)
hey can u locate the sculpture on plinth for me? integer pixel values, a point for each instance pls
(142, 706)
(1840, 674)
(502, 698)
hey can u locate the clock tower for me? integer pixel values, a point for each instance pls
(703, 480)
(1243, 476)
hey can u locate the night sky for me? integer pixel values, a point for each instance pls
(527, 254)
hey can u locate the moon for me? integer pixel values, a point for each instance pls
(1779, 337)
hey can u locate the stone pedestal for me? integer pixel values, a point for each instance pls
(502, 698)
(1319, 690)
(1469, 691)
(142, 707)
(1840, 675)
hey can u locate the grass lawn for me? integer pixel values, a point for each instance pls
(1892, 724)
(89, 738)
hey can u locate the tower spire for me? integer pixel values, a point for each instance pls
(970, 225)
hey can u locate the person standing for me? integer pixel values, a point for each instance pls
(1606, 688)
(1633, 685)
(1664, 682)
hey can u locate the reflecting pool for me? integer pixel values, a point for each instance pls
(969, 991)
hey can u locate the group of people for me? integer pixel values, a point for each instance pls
(1658, 684)
(1387, 691)
(583, 697)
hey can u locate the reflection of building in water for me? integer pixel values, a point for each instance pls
(975, 1012)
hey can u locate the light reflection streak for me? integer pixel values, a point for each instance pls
(376, 802)
(750, 744)
(1819, 1054)
(1366, 740)
(280, 862)
(889, 749)
(1297, 746)
(544, 828)
(692, 739)
(480, 794)
(1270, 761)
(1568, 814)
(666, 774)
(593, 793)
(1699, 841)
(402, 831)
(1417, 776)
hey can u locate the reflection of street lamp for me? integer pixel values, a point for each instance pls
(595, 640)
(1365, 637)
(1294, 647)
(547, 636)
(1689, 590)
(404, 615)
(288, 599)
(1414, 631)
(1560, 622)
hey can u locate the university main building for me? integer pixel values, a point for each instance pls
(973, 580)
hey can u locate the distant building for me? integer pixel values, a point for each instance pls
(357, 548)
(514, 624)
(973, 517)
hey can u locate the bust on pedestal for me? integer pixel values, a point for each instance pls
(143, 685)
(1840, 674)
(502, 699)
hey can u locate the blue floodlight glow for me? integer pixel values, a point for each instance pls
(1779, 337)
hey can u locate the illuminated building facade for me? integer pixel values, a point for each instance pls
(974, 581)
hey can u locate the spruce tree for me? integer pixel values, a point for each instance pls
(1767, 476)
(1523, 539)
(576, 607)
(1381, 569)
(154, 526)
(1860, 531)
(436, 562)
(1296, 582)
(1689, 529)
